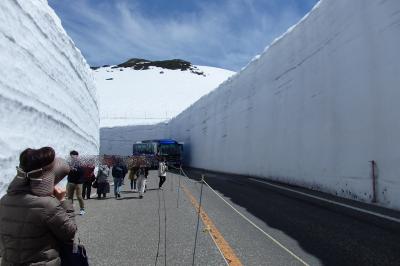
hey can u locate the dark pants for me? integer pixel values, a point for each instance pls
(162, 180)
(117, 186)
(102, 189)
(133, 183)
(99, 195)
(86, 189)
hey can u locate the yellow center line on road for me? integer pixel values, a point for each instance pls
(224, 247)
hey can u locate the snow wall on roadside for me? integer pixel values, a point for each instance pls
(47, 93)
(313, 109)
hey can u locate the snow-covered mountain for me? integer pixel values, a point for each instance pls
(47, 92)
(142, 92)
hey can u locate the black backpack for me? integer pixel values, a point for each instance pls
(118, 171)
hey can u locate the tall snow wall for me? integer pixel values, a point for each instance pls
(314, 109)
(47, 93)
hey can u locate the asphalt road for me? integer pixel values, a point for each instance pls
(132, 231)
(316, 234)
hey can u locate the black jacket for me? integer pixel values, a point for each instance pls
(119, 170)
(76, 174)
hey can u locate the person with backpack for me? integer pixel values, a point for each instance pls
(119, 171)
(162, 172)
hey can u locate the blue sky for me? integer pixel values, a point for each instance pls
(220, 33)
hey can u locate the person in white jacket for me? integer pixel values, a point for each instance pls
(162, 172)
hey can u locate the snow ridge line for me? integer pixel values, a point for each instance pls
(306, 58)
(50, 118)
(59, 50)
(8, 158)
(70, 42)
(49, 108)
(49, 75)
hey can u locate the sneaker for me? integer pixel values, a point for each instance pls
(135, 190)
(141, 197)
(119, 195)
(82, 212)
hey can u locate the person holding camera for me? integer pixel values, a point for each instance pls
(36, 220)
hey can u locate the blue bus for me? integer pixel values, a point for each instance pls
(156, 149)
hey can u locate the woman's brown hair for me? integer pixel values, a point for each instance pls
(32, 159)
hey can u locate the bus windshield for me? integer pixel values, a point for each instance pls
(170, 149)
(143, 148)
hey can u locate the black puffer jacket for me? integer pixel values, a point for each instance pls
(32, 228)
(76, 174)
(119, 170)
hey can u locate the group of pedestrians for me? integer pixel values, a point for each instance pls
(138, 174)
(82, 177)
(37, 217)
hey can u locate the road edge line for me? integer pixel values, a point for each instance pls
(329, 201)
(256, 226)
(223, 246)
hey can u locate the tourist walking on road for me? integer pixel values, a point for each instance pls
(88, 178)
(35, 218)
(103, 185)
(142, 174)
(162, 172)
(119, 171)
(133, 177)
(75, 180)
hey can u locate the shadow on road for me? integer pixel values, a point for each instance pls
(332, 237)
(127, 198)
(128, 192)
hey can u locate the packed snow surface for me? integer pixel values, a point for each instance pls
(143, 97)
(47, 92)
(313, 109)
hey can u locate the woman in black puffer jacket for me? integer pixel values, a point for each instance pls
(35, 218)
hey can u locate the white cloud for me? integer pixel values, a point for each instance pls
(227, 35)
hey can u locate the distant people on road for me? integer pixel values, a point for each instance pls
(142, 174)
(119, 171)
(35, 218)
(103, 185)
(162, 172)
(88, 178)
(75, 180)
